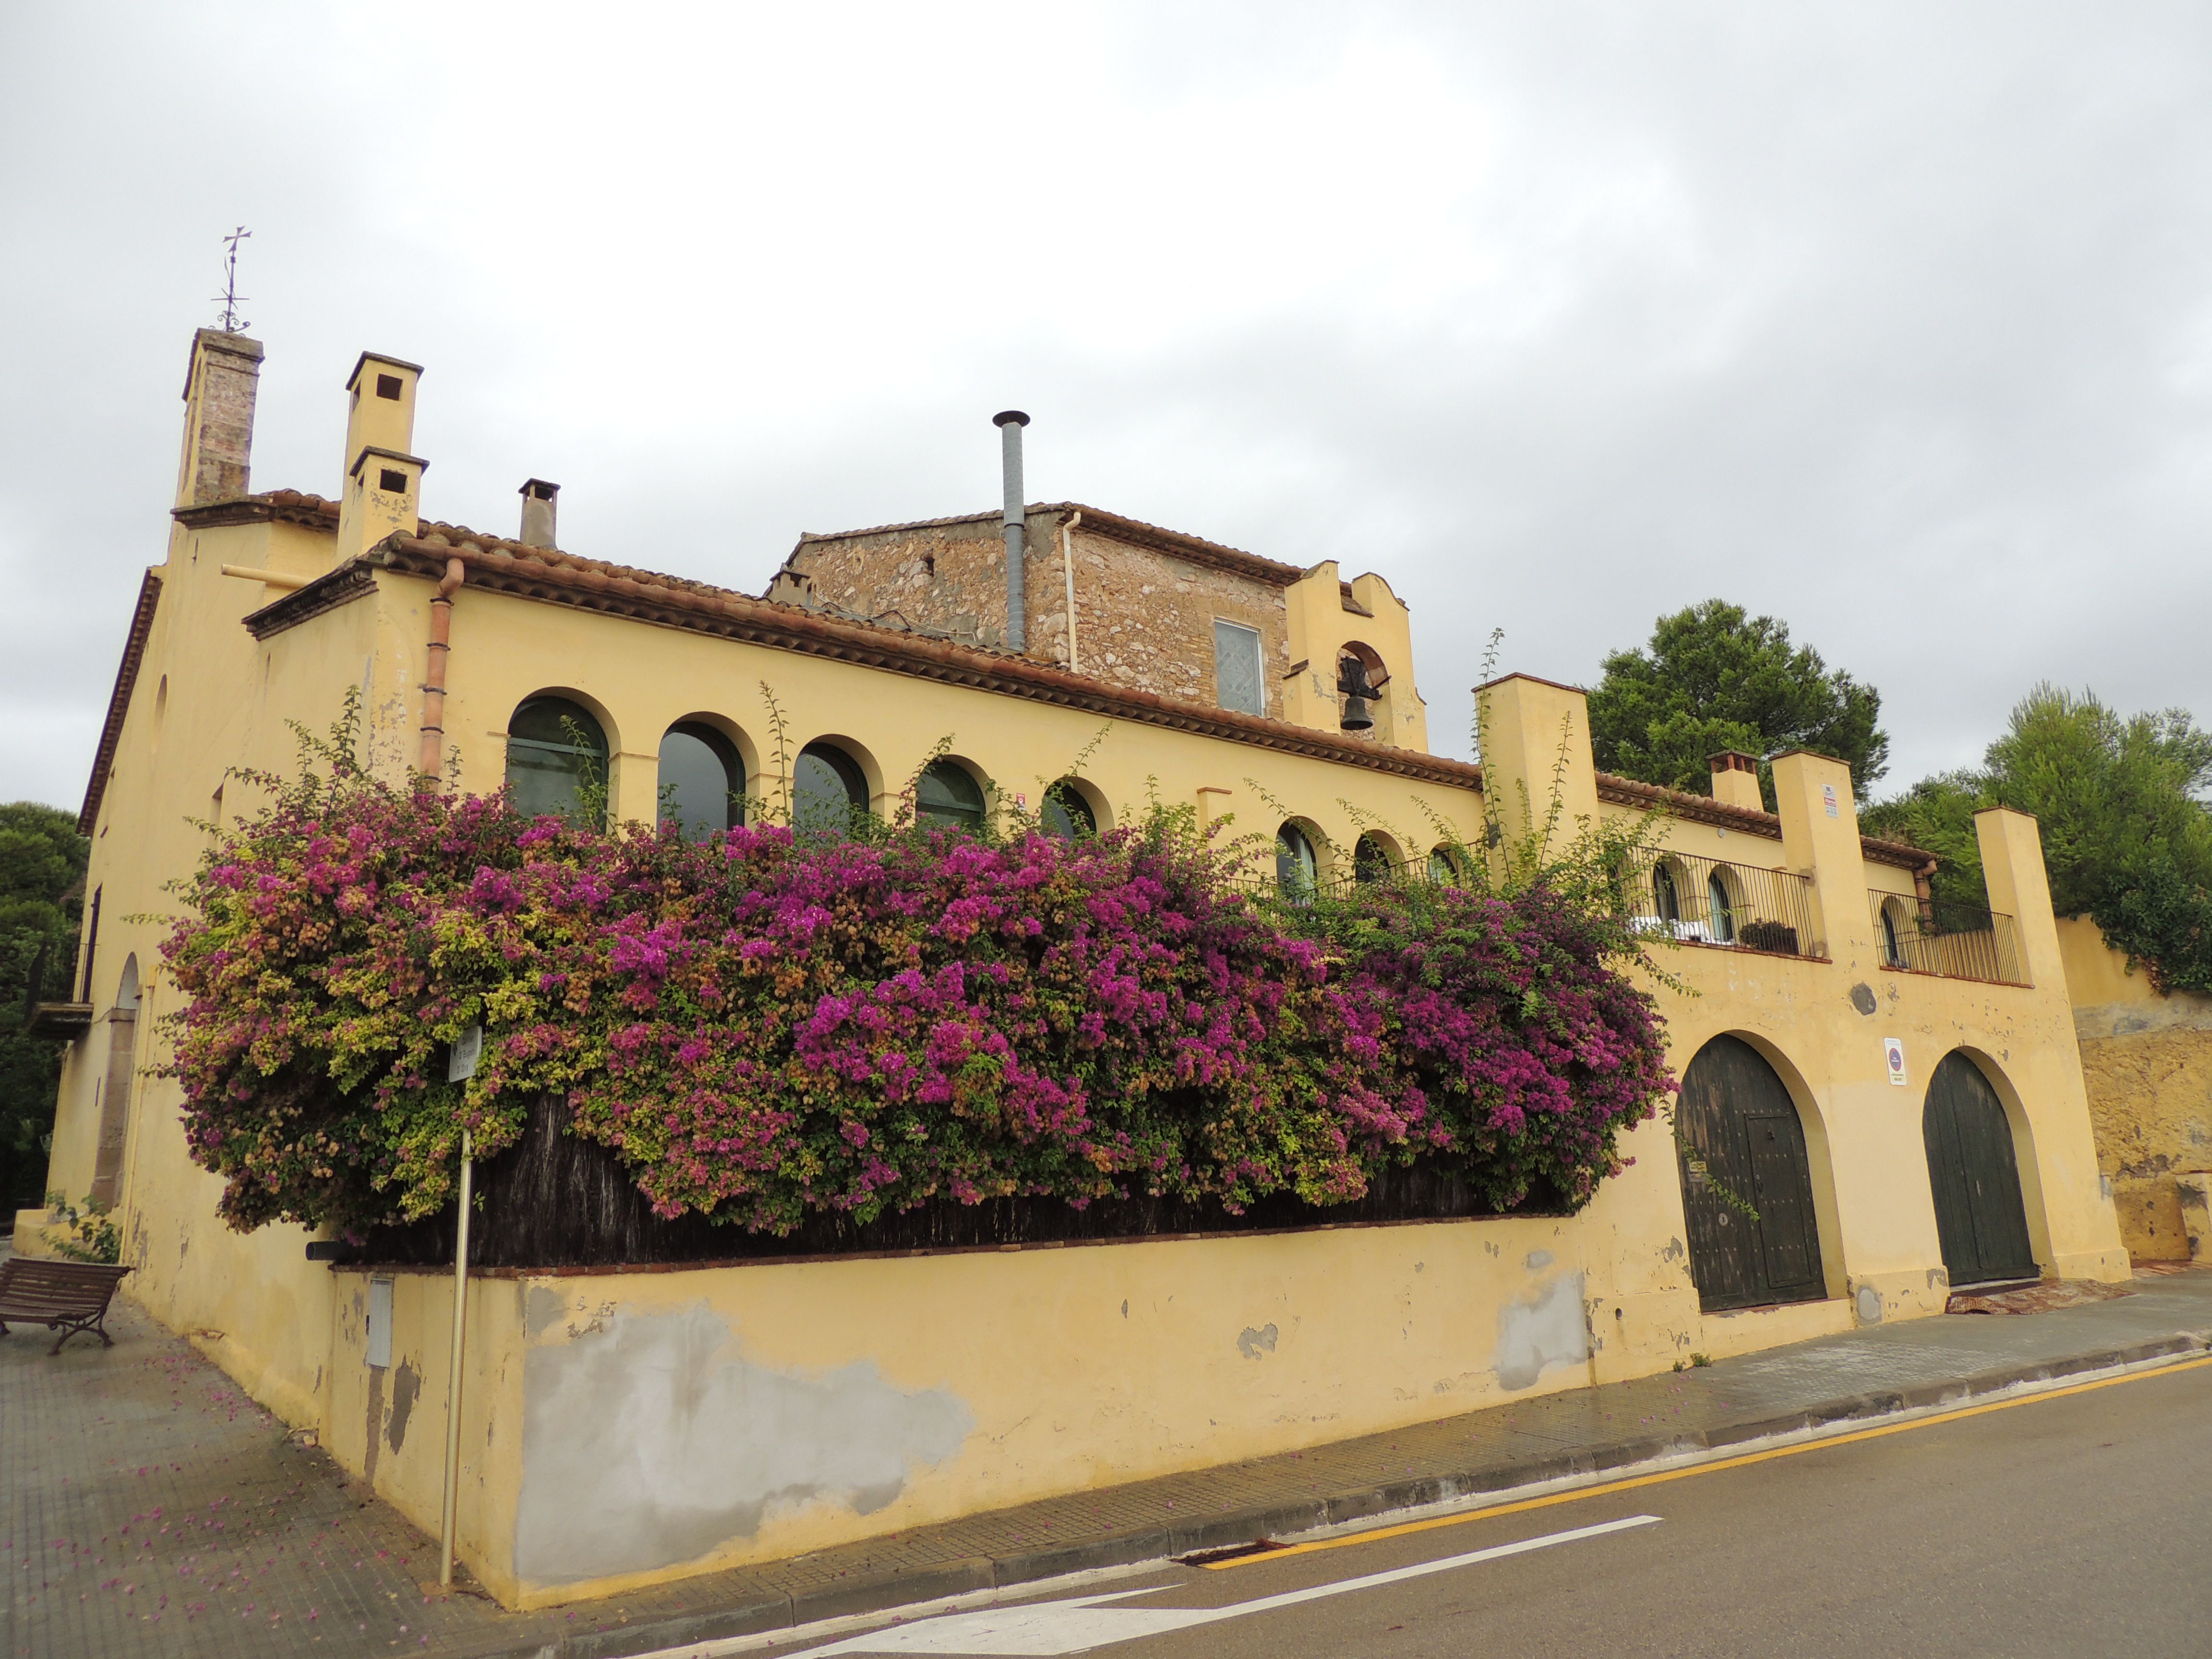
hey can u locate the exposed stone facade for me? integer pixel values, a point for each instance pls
(1145, 600)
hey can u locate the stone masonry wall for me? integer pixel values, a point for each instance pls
(1144, 617)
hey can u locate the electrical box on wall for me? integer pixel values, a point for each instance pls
(380, 1322)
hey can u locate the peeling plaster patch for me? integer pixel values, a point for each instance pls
(375, 1436)
(1536, 1260)
(1863, 998)
(1869, 1303)
(1543, 1329)
(406, 1388)
(650, 1442)
(1674, 1251)
(1125, 1307)
(1252, 1344)
(543, 1310)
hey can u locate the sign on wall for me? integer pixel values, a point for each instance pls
(1893, 1050)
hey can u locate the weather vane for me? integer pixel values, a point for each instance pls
(230, 297)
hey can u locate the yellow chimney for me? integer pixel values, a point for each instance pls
(383, 487)
(1736, 780)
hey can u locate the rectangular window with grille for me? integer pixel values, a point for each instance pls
(1237, 668)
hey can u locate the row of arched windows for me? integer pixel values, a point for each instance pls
(1297, 864)
(557, 763)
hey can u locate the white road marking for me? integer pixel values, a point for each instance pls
(1045, 1628)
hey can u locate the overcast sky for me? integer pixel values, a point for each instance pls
(1892, 321)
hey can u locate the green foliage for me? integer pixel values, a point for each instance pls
(89, 1233)
(1714, 678)
(2126, 838)
(42, 861)
(768, 1024)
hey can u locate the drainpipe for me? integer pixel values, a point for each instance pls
(1009, 423)
(433, 682)
(1067, 569)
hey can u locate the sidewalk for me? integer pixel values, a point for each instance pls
(148, 1508)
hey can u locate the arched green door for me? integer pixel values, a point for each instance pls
(1738, 1117)
(1975, 1177)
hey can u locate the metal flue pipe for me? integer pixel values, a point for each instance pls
(1009, 423)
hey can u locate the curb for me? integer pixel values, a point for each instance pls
(781, 1611)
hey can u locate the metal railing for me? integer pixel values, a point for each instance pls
(1940, 936)
(1703, 901)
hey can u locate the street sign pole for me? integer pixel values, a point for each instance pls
(459, 1069)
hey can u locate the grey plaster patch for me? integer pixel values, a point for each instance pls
(1252, 1344)
(1536, 1260)
(544, 1309)
(1863, 998)
(406, 1388)
(1544, 1329)
(1674, 1251)
(650, 1442)
(1869, 1304)
(374, 1440)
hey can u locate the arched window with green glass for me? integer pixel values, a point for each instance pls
(828, 790)
(1444, 868)
(947, 795)
(1298, 871)
(1066, 814)
(702, 781)
(556, 761)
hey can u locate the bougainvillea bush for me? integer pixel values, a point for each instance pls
(764, 1025)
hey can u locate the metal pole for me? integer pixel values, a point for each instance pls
(1009, 423)
(453, 1384)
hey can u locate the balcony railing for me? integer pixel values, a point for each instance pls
(1710, 902)
(1939, 936)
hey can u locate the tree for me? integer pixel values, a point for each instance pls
(2126, 836)
(42, 863)
(1715, 678)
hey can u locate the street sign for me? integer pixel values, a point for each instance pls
(468, 1048)
(1893, 1050)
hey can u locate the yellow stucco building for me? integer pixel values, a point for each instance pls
(1860, 1076)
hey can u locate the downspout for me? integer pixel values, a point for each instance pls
(433, 680)
(1009, 423)
(1067, 569)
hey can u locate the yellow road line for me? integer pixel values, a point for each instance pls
(1743, 1460)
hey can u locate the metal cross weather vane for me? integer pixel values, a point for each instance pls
(230, 297)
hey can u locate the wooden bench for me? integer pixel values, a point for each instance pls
(65, 1296)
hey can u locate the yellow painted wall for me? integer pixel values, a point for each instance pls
(1373, 1327)
(2147, 1060)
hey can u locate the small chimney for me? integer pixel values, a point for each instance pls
(219, 392)
(383, 487)
(537, 508)
(1009, 423)
(1736, 780)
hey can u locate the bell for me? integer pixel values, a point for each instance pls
(1358, 696)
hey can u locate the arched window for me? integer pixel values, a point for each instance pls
(1444, 868)
(1665, 897)
(946, 794)
(1296, 870)
(828, 788)
(1371, 860)
(1067, 813)
(556, 761)
(1723, 908)
(702, 781)
(1893, 945)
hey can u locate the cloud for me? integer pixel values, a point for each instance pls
(1892, 322)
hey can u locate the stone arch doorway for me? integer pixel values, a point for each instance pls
(1754, 1238)
(1973, 1173)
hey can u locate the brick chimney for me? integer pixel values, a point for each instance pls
(1736, 780)
(383, 486)
(219, 389)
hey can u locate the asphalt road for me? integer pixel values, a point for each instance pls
(2072, 1525)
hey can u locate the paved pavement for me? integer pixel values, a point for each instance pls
(147, 1508)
